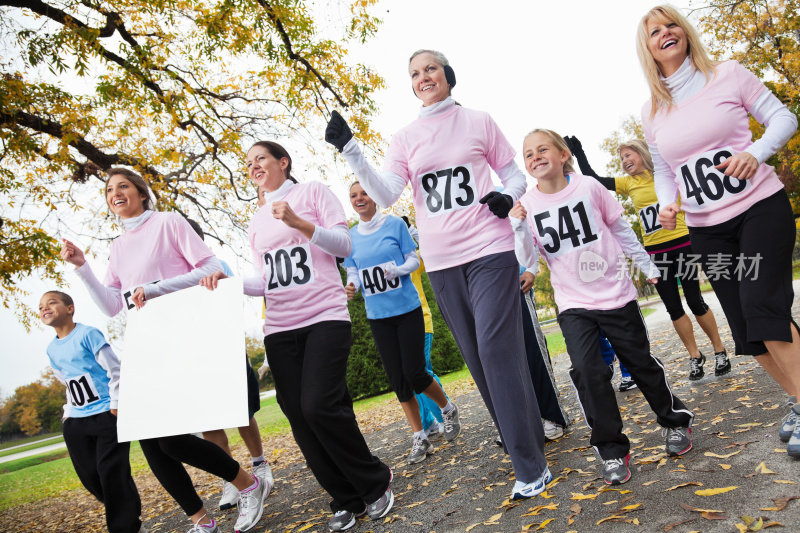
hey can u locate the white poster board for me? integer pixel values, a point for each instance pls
(183, 366)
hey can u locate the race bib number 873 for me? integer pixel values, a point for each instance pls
(448, 189)
(704, 185)
(289, 267)
(566, 227)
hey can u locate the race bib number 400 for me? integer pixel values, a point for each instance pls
(566, 227)
(373, 280)
(702, 184)
(448, 189)
(289, 267)
(82, 390)
(649, 218)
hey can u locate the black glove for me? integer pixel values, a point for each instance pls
(574, 145)
(338, 132)
(499, 204)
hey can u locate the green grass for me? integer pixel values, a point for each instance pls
(33, 446)
(26, 440)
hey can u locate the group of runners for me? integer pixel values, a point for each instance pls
(699, 162)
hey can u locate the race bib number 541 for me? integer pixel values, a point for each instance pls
(566, 227)
(289, 267)
(448, 189)
(702, 184)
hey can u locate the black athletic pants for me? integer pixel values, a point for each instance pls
(309, 365)
(627, 333)
(102, 464)
(401, 342)
(165, 456)
(675, 264)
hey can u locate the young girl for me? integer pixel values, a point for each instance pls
(157, 254)
(579, 229)
(295, 238)
(670, 249)
(383, 256)
(739, 217)
(446, 155)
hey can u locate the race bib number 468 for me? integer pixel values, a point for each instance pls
(373, 280)
(567, 227)
(448, 189)
(289, 267)
(702, 185)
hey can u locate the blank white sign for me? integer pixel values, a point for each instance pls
(183, 366)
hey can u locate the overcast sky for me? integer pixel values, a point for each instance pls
(569, 66)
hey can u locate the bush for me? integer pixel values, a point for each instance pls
(365, 374)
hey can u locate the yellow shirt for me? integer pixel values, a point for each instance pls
(642, 191)
(416, 279)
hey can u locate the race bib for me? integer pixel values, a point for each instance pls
(373, 280)
(567, 227)
(82, 391)
(289, 267)
(448, 189)
(649, 218)
(702, 185)
(127, 295)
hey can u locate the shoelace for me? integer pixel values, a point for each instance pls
(672, 434)
(246, 499)
(418, 444)
(340, 513)
(197, 527)
(447, 420)
(614, 463)
(722, 357)
(695, 363)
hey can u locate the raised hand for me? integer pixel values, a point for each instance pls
(338, 132)
(71, 253)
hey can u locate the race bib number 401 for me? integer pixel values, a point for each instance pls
(448, 189)
(373, 280)
(567, 227)
(702, 185)
(82, 391)
(289, 267)
(649, 218)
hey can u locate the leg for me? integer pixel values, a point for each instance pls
(411, 337)
(173, 477)
(708, 323)
(685, 329)
(769, 364)
(429, 411)
(411, 410)
(251, 436)
(592, 380)
(667, 288)
(220, 438)
(123, 506)
(82, 448)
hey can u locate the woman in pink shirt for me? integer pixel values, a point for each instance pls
(295, 238)
(447, 155)
(739, 217)
(159, 253)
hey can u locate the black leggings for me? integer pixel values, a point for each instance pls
(165, 456)
(679, 263)
(401, 342)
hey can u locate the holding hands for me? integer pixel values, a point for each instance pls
(350, 290)
(518, 212)
(338, 132)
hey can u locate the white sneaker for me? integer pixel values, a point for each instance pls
(524, 490)
(230, 496)
(201, 528)
(251, 505)
(552, 431)
(264, 473)
(435, 430)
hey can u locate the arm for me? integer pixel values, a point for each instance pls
(633, 249)
(352, 277)
(576, 148)
(334, 241)
(107, 359)
(524, 245)
(780, 124)
(385, 187)
(108, 299)
(410, 265)
(666, 188)
(513, 180)
(204, 268)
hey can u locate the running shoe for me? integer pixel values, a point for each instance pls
(723, 364)
(420, 448)
(230, 496)
(344, 519)
(381, 507)
(263, 472)
(204, 528)
(251, 505)
(498, 440)
(552, 431)
(616, 471)
(435, 430)
(679, 440)
(523, 491)
(787, 424)
(627, 383)
(793, 446)
(452, 426)
(696, 367)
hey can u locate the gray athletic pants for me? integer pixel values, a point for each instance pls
(479, 301)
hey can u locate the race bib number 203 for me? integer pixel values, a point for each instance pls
(288, 267)
(448, 189)
(702, 185)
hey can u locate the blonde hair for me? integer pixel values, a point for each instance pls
(640, 147)
(660, 96)
(557, 141)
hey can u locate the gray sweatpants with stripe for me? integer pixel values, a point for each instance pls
(479, 301)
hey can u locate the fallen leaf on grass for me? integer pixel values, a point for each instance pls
(722, 456)
(780, 503)
(714, 492)
(690, 483)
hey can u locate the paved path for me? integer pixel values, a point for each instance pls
(35, 451)
(30, 443)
